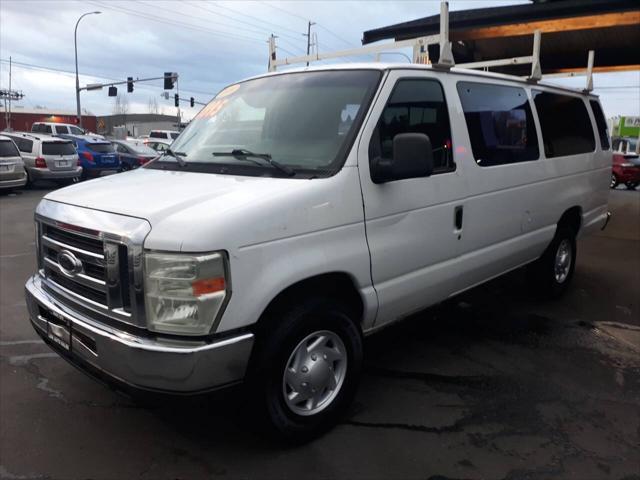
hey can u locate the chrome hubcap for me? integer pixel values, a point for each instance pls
(563, 261)
(314, 373)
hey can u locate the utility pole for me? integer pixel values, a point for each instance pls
(9, 116)
(308, 35)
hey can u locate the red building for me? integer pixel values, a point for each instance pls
(23, 118)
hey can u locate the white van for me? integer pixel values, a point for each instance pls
(300, 211)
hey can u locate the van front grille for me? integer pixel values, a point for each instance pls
(84, 267)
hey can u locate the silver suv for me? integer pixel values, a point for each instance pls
(12, 174)
(46, 157)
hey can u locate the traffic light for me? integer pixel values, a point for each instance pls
(192, 101)
(169, 80)
(177, 100)
(129, 84)
(113, 91)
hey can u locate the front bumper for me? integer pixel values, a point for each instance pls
(157, 364)
(46, 174)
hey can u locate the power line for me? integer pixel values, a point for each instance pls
(188, 26)
(350, 44)
(30, 66)
(261, 20)
(194, 17)
(265, 31)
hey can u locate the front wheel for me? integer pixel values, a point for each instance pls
(306, 368)
(631, 185)
(551, 274)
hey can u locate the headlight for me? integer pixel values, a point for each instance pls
(185, 293)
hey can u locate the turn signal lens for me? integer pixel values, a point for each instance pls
(207, 285)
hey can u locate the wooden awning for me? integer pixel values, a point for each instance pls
(570, 28)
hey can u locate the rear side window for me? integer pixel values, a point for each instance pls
(38, 128)
(8, 149)
(415, 106)
(601, 123)
(566, 127)
(47, 129)
(58, 148)
(23, 144)
(101, 147)
(158, 135)
(174, 135)
(61, 129)
(500, 123)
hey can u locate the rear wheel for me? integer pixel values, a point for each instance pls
(306, 367)
(551, 274)
(614, 181)
(631, 185)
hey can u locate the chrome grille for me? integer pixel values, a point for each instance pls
(102, 279)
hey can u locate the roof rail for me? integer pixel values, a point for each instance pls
(445, 60)
(587, 71)
(419, 45)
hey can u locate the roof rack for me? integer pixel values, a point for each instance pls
(445, 59)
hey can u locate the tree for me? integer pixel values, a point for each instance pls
(121, 105)
(153, 105)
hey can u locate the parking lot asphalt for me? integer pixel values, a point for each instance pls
(495, 384)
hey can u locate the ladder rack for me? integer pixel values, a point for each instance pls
(445, 60)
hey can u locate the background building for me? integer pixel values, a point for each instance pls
(23, 118)
(136, 124)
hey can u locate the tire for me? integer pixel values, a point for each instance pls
(631, 185)
(282, 368)
(551, 274)
(614, 181)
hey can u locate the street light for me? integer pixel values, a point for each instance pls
(75, 43)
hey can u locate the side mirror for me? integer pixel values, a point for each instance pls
(412, 158)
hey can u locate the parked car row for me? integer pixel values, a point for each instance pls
(27, 157)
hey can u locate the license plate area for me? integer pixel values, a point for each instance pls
(58, 329)
(6, 168)
(63, 163)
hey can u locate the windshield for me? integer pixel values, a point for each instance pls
(304, 121)
(8, 149)
(58, 148)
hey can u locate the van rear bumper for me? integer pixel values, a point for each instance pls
(184, 366)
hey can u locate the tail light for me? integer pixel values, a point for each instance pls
(41, 163)
(88, 157)
(143, 160)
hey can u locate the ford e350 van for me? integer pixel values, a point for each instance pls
(300, 211)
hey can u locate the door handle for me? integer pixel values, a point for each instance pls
(457, 217)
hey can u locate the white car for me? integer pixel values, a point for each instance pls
(12, 172)
(166, 136)
(299, 212)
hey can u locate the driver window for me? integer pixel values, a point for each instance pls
(415, 106)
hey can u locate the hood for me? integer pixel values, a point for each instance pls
(157, 194)
(200, 211)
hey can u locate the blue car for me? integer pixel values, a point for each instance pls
(97, 156)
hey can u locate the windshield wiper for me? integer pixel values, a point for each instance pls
(244, 154)
(177, 155)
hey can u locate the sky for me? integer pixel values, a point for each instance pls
(209, 43)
